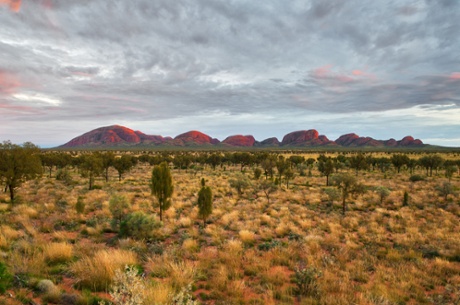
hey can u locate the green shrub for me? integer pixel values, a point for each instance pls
(306, 280)
(64, 176)
(80, 206)
(118, 206)
(139, 225)
(5, 278)
(415, 178)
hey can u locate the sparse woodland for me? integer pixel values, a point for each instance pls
(282, 228)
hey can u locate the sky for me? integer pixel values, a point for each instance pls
(384, 69)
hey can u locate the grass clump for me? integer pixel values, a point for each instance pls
(58, 252)
(95, 272)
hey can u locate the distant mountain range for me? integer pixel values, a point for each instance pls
(120, 136)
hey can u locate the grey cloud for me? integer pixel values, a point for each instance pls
(154, 60)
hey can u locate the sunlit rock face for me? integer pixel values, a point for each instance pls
(114, 135)
(305, 138)
(193, 138)
(119, 136)
(240, 140)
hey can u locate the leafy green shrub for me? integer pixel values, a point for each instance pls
(269, 245)
(5, 278)
(406, 198)
(139, 225)
(64, 176)
(415, 178)
(80, 206)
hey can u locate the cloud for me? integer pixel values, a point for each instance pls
(14, 5)
(146, 61)
(8, 83)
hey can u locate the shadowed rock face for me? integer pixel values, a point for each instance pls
(112, 136)
(240, 140)
(194, 137)
(269, 142)
(115, 135)
(353, 140)
(410, 141)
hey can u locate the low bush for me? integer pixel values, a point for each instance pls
(139, 225)
(416, 178)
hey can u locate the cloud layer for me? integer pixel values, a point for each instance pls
(224, 67)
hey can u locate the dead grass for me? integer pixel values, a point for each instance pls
(58, 252)
(96, 272)
(249, 250)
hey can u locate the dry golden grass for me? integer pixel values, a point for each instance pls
(97, 271)
(58, 252)
(248, 252)
(247, 237)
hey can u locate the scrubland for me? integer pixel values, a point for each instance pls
(296, 248)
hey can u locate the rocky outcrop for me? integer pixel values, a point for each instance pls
(353, 140)
(410, 141)
(269, 142)
(305, 138)
(194, 138)
(240, 140)
(114, 135)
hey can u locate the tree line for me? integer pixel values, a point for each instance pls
(19, 163)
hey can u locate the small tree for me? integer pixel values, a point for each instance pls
(257, 173)
(445, 189)
(326, 167)
(431, 162)
(162, 186)
(383, 193)
(204, 203)
(405, 199)
(399, 160)
(124, 164)
(358, 162)
(267, 187)
(240, 183)
(91, 166)
(450, 171)
(288, 175)
(347, 184)
(107, 159)
(18, 164)
(118, 206)
(332, 193)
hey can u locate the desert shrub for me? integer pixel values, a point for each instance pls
(306, 280)
(416, 178)
(139, 225)
(265, 246)
(51, 291)
(406, 198)
(97, 271)
(80, 206)
(184, 297)
(64, 176)
(5, 278)
(128, 288)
